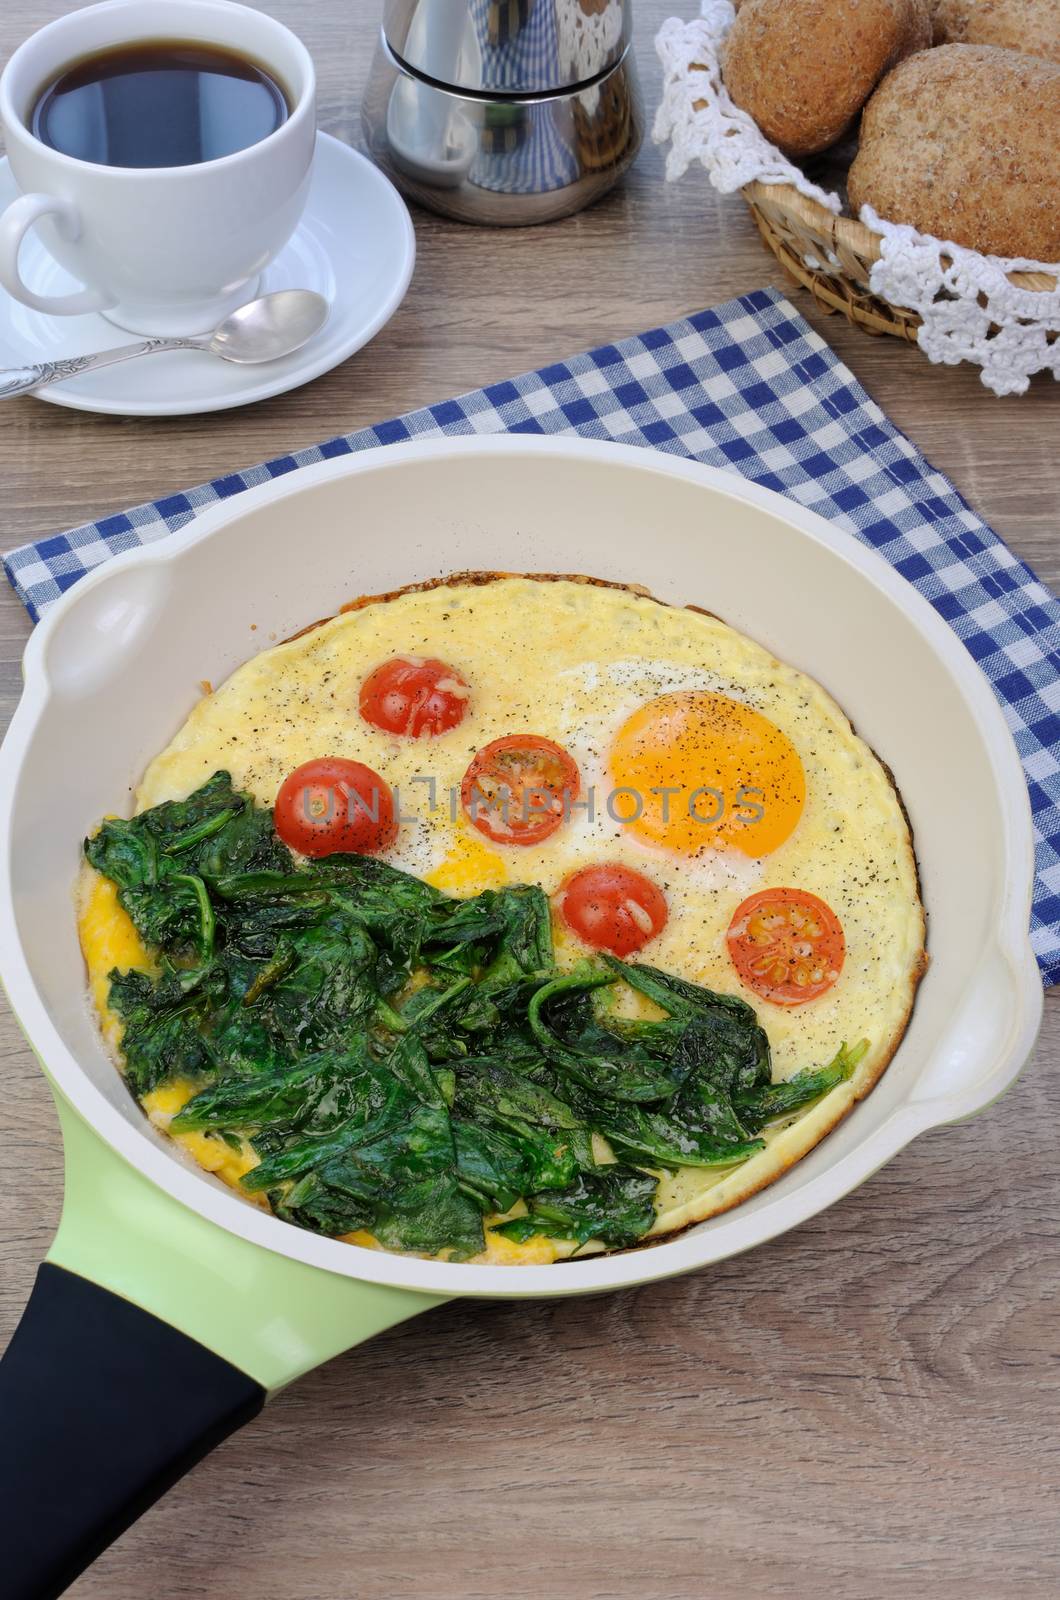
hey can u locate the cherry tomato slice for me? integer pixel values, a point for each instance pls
(520, 788)
(612, 907)
(414, 697)
(331, 804)
(786, 945)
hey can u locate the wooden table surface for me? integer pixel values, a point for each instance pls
(865, 1407)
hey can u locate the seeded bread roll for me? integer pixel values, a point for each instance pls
(962, 143)
(804, 68)
(1032, 26)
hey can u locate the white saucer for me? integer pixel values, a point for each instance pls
(355, 245)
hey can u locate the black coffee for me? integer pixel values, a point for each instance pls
(158, 103)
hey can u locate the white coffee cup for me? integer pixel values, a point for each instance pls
(166, 250)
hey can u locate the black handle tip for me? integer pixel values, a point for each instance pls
(102, 1408)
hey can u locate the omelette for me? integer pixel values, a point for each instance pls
(505, 919)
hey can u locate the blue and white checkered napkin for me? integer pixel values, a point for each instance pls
(747, 386)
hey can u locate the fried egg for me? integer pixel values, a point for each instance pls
(706, 765)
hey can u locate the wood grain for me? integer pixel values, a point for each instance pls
(865, 1407)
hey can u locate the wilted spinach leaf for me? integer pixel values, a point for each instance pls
(410, 1063)
(614, 1205)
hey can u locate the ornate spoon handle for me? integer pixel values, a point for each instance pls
(20, 380)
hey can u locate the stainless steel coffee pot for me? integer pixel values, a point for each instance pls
(504, 112)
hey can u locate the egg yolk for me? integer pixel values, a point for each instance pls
(697, 770)
(109, 940)
(469, 867)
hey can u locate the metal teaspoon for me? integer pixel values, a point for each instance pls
(265, 329)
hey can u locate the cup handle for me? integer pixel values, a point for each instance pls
(15, 223)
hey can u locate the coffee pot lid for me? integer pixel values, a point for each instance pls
(514, 47)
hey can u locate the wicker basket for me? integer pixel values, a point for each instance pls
(832, 256)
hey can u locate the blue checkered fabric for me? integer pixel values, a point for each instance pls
(748, 387)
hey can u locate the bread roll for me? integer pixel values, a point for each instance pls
(962, 142)
(1032, 26)
(804, 68)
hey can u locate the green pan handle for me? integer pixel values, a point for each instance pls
(271, 1317)
(151, 1335)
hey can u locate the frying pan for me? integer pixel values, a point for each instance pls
(163, 1282)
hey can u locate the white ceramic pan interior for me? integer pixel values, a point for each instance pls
(116, 666)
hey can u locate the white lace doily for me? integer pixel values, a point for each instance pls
(587, 39)
(969, 309)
